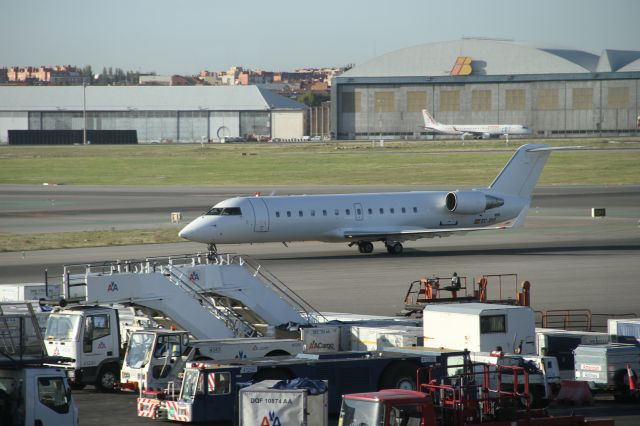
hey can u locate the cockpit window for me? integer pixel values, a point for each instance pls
(224, 211)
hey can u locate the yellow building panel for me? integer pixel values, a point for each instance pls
(618, 97)
(384, 101)
(416, 101)
(450, 100)
(480, 100)
(582, 98)
(514, 99)
(548, 99)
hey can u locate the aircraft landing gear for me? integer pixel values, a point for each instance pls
(394, 247)
(212, 251)
(365, 247)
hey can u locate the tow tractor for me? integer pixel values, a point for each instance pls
(463, 399)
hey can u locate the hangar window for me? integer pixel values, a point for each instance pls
(618, 97)
(493, 324)
(416, 101)
(547, 99)
(582, 98)
(351, 102)
(514, 99)
(450, 100)
(384, 102)
(277, 214)
(480, 100)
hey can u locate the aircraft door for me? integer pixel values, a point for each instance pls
(357, 209)
(261, 214)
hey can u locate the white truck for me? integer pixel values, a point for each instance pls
(30, 392)
(561, 343)
(91, 337)
(154, 358)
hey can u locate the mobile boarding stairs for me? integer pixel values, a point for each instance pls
(211, 297)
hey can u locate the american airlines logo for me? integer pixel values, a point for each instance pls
(112, 287)
(193, 277)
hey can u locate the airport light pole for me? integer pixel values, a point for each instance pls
(84, 112)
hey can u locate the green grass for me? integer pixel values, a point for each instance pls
(61, 240)
(398, 163)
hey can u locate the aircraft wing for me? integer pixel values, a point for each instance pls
(412, 234)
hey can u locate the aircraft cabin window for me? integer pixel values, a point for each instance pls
(324, 212)
(348, 212)
(337, 212)
(300, 213)
(288, 214)
(358, 212)
(404, 210)
(370, 211)
(277, 214)
(415, 210)
(313, 212)
(381, 210)
(392, 210)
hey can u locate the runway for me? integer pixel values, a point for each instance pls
(572, 260)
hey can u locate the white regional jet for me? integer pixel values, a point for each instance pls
(484, 131)
(389, 217)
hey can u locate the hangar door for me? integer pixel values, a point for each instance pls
(287, 124)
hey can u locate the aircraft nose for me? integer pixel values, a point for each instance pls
(188, 232)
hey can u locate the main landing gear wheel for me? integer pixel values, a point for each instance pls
(394, 248)
(365, 247)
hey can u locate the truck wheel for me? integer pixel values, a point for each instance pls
(107, 378)
(400, 376)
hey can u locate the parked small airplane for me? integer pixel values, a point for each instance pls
(389, 217)
(479, 131)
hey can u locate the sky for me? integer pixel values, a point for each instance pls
(187, 36)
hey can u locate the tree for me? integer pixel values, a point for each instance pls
(313, 99)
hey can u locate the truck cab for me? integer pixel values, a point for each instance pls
(155, 357)
(391, 407)
(33, 395)
(91, 336)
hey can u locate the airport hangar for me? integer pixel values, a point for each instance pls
(156, 113)
(555, 91)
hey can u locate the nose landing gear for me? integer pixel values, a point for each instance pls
(212, 251)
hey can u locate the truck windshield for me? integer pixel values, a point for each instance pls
(192, 384)
(63, 327)
(139, 349)
(356, 412)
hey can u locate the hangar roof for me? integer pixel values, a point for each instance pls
(490, 57)
(144, 98)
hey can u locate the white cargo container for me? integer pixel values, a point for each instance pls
(480, 327)
(367, 338)
(605, 366)
(624, 329)
(324, 338)
(29, 291)
(561, 343)
(262, 405)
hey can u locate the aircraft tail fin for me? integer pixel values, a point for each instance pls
(521, 173)
(428, 119)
